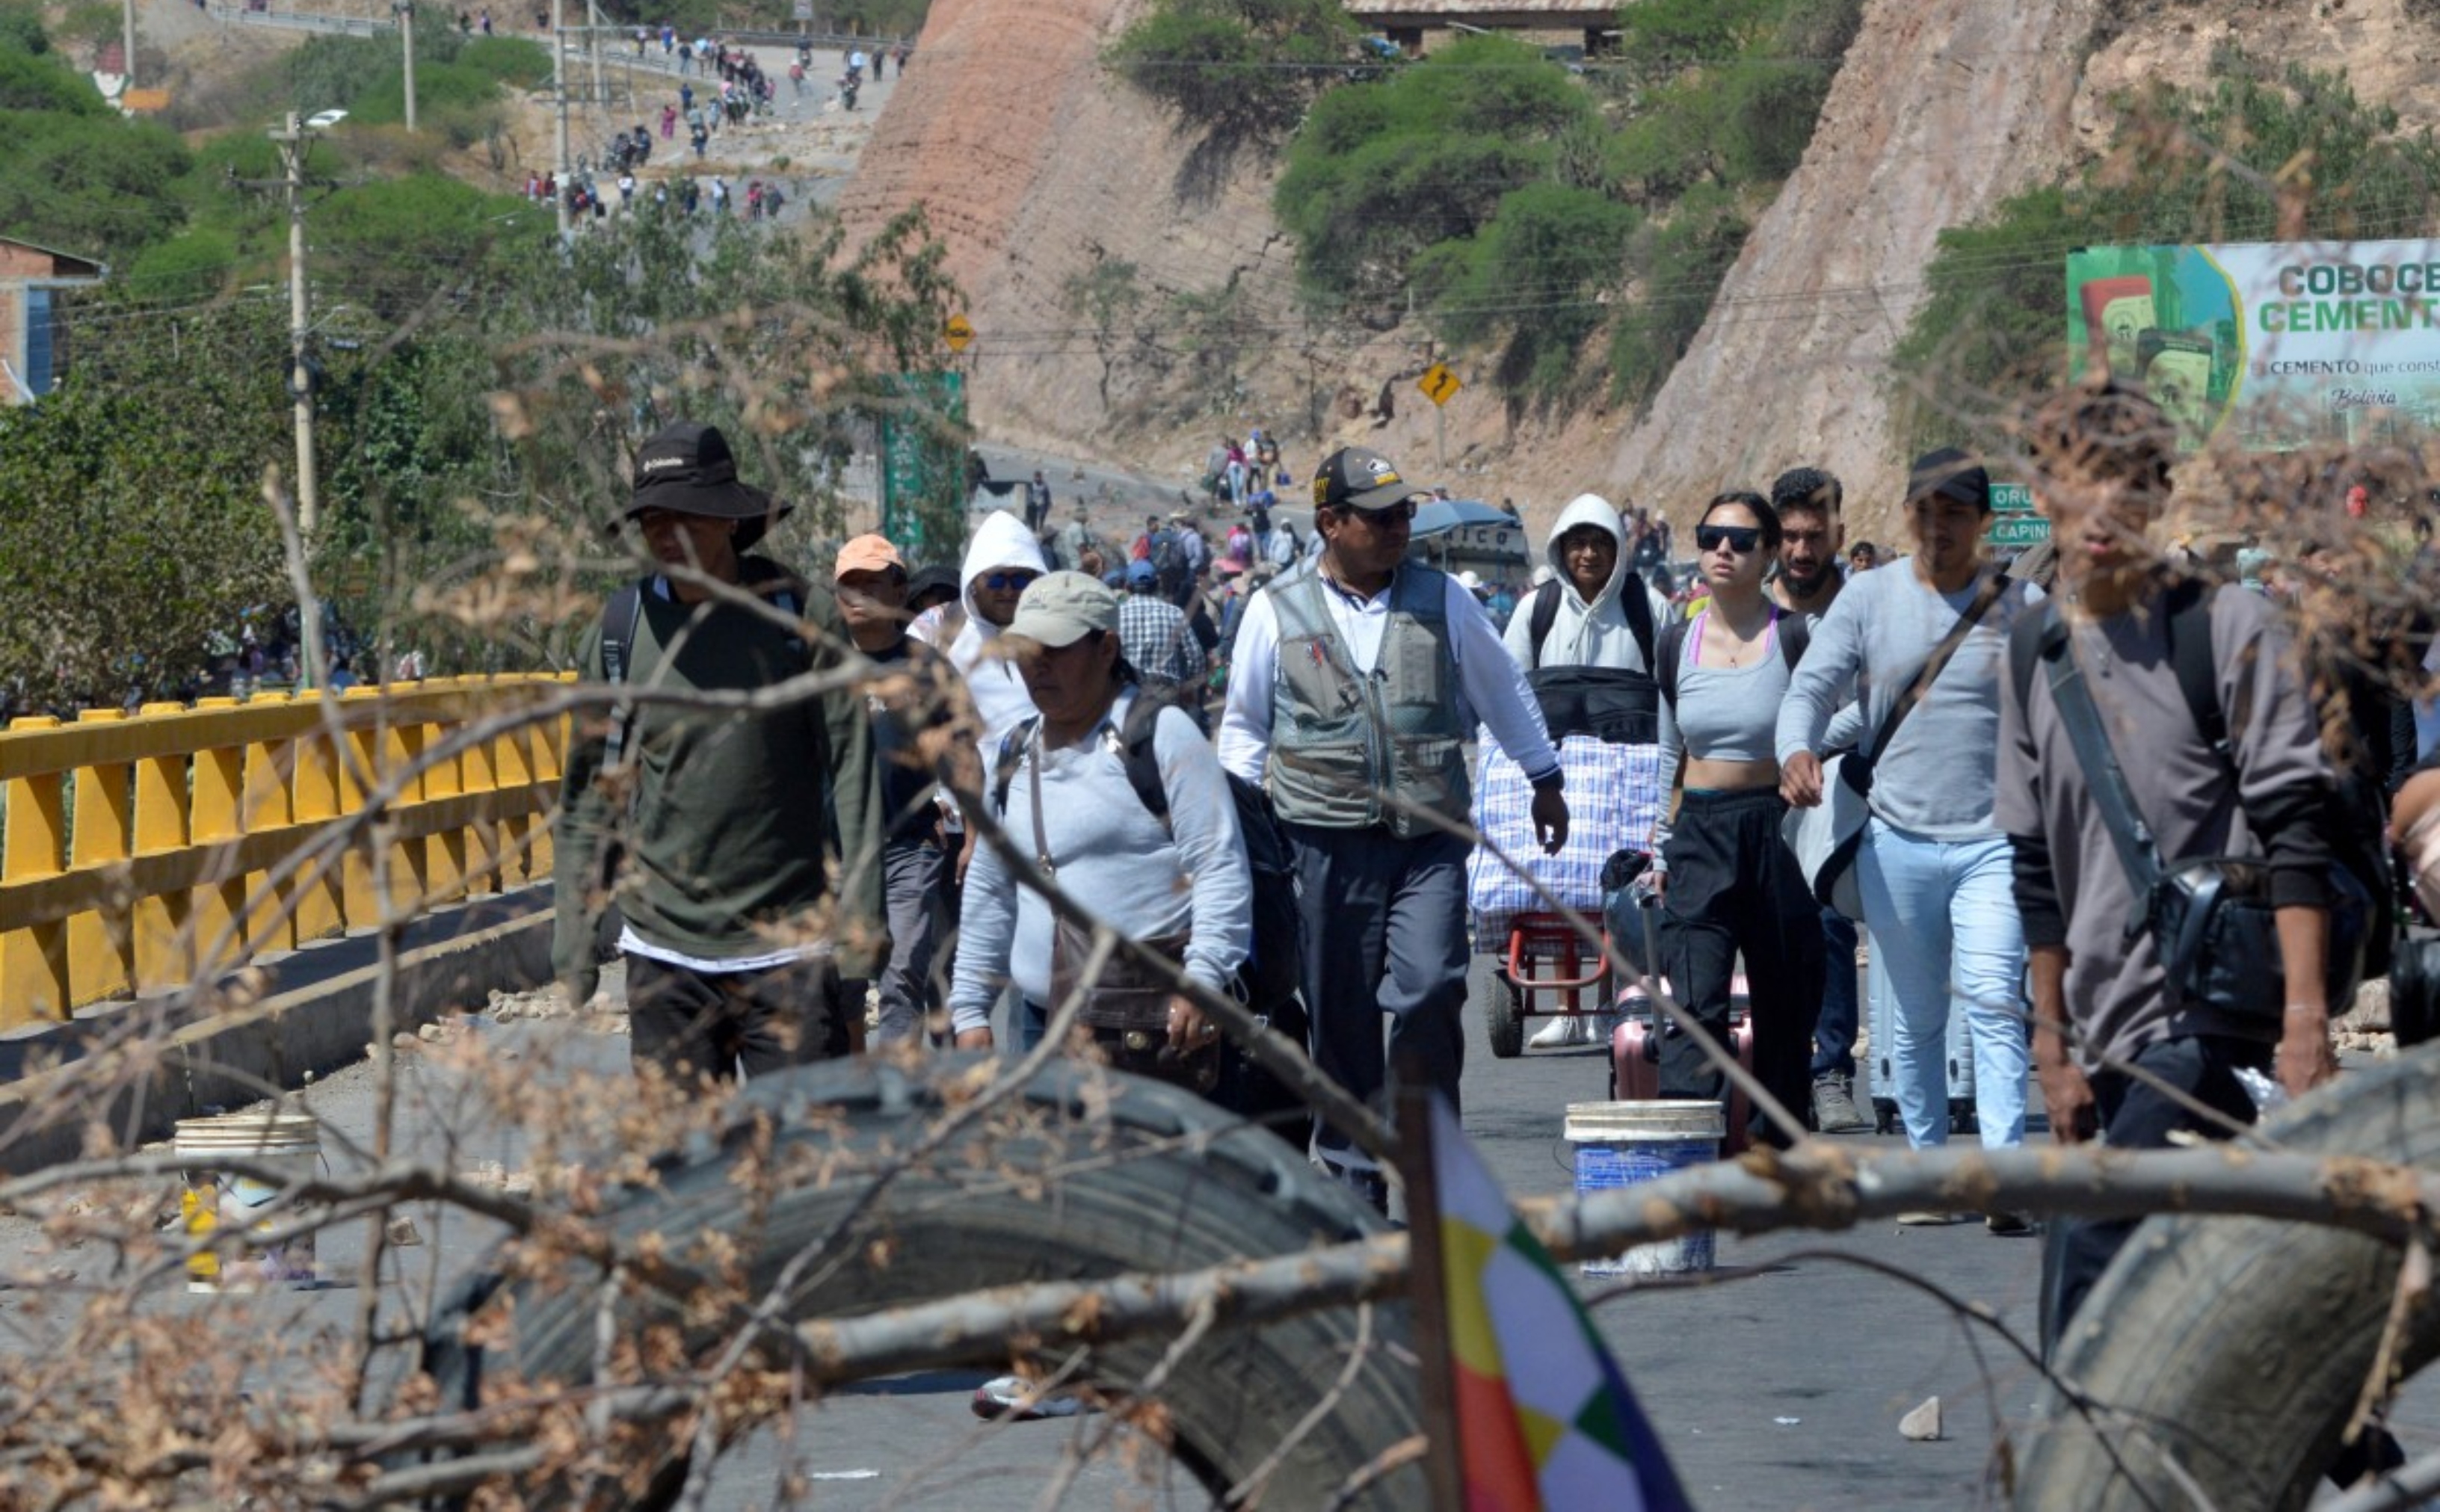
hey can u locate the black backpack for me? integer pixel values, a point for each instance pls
(1545, 613)
(1272, 978)
(1169, 562)
(2358, 816)
(1794, 636)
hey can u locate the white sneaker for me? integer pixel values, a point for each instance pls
(1558, 1034)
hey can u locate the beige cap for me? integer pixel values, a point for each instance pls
(1062, 608)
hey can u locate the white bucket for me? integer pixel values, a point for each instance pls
(288, 1142)
(1619, 1143)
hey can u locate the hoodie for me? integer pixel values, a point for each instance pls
(999, 690)
(1593, 633)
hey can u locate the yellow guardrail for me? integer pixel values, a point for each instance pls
(139, 851)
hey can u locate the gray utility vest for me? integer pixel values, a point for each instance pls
(1345, 746)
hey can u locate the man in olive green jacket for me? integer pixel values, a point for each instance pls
(738, 843)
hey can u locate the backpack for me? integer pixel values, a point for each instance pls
(2358, 824)
(1545, 613)
(1794, 636)
(1169, 562)
(1270, 981)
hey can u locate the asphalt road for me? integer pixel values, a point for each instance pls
(1779, 1383)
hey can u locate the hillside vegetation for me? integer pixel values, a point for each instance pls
(1521, 205)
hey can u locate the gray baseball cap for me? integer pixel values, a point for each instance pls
(1062, 608)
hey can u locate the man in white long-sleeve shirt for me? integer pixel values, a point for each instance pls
(1357, 682)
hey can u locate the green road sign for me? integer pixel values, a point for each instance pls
(2012, 498)
(923, 463)
(2019, 531)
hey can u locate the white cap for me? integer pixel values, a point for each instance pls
(1470, 581)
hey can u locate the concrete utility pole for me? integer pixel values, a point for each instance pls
(406, 13)
(559, 93)
(130, 62)
(294, 144)
(593, 45)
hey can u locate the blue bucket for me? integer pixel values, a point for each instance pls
(1619, 1143)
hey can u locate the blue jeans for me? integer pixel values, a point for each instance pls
(1944, 919)
(1833, 1033)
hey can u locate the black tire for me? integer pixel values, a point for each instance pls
(2226, 1354)
(1199, 1189)
(1503, 1019)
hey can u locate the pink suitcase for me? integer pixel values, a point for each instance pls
(1635, 1055)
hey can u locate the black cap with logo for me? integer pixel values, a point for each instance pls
(1949, 472)
(687, 469)
(1354, 477)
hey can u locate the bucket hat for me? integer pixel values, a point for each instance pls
(687, 469)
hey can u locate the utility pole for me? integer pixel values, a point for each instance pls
(129, 64)
(404, 10)
(593, 44)
(300, 375)
(558, 92)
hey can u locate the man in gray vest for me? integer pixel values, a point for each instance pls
(1356, 683)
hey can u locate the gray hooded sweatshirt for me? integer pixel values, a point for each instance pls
(1585, 633)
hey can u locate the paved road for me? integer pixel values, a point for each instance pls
(1779, 1384)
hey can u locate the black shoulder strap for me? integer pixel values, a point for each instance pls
(2071, 700)
(1143, 761)
(619, 620)
(2190, 654)
(1636, 600)
(2025, 650)
(1545, 613)
(1011, 751)
(1919, 689)
(1673, 650)
(1795, 636)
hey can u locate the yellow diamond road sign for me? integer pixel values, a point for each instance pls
(959, 331)
(1438, 384)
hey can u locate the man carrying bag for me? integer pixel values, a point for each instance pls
(2133, 828)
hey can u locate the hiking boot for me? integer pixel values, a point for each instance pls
(1558, 1034)
(2011, 1225)
(1014, 1399)
(1834, 1107)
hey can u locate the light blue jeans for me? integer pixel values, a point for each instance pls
(1943, 915)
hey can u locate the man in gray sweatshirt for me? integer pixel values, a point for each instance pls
(1934, 867)
(2118, 1052)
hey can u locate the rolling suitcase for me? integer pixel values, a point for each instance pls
(1956, 1056)
(1635, 1045)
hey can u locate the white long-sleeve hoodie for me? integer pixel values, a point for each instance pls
(1002, 541)
(1585, 633)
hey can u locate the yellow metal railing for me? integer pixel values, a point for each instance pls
(138, 851)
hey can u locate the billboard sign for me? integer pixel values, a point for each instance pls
(2269, 346)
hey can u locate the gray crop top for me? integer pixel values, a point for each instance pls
(1724, 713)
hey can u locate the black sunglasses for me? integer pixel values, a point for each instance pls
(1742, 539)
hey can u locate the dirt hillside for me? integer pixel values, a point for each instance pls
(1035, 163)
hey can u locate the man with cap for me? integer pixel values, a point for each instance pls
(870, 577)
(1153, 634)
(721, 820)
(1934, 868)
(1357, 682)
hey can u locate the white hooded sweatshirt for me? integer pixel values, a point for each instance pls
(1586, 634)
(998, 689)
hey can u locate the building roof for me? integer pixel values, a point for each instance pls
(64, 265)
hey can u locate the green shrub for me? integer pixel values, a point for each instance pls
(439, 88)
(1768, 110)
(189, 267)
(45, 82)
(511, 61)
(1238, 70)
(97, 187)
(1530, 280)
(21, 30)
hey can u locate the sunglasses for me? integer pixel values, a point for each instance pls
(1743, 540)
(1000, 582)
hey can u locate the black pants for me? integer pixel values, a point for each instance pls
(1733, 888)
(2135, 1115)
(1384, 932)
(724, 1023)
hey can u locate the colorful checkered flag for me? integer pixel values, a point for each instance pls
(1542, 1417)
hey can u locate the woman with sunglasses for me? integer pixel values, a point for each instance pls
(1731, 885)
